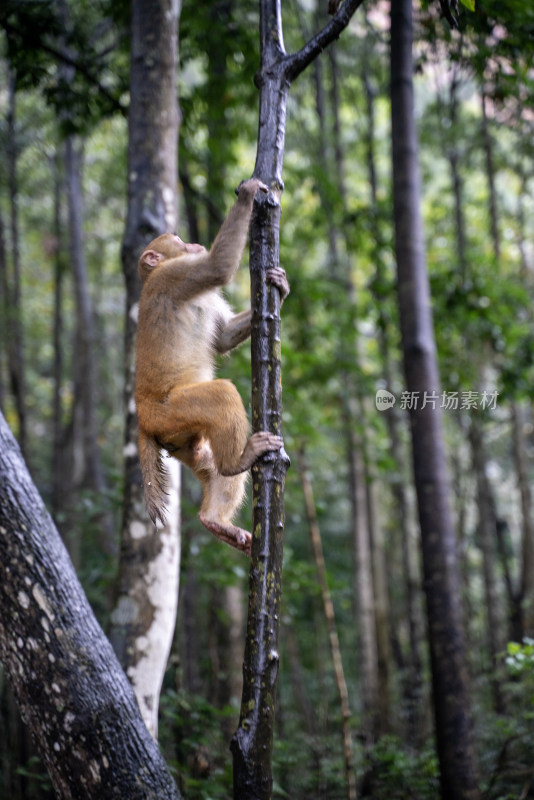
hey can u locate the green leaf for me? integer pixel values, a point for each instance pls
(470, 4)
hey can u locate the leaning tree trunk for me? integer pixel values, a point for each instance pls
(447, 650)
(253, 740)
(142, 623)
(70, 688)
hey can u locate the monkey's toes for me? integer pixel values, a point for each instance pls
(263, 441)
(228, 533)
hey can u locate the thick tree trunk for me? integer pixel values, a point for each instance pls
(69, 686)
(142, 623)
(447, 652)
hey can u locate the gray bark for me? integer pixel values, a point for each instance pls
(459, 780)
(68, 683)
(142, 622)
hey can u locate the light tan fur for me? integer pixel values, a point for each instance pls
(183, 323)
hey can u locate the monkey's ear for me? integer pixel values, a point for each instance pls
(151, 258)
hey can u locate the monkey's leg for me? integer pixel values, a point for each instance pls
(213, 410)
(222, 496)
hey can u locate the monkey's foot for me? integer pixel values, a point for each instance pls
(278, 277)
(259, 443)
(229, 534)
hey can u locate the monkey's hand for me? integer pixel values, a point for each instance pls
(247, 189)
(259, 443)
(278, 277)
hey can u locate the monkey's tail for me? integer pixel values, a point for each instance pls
(153, 477)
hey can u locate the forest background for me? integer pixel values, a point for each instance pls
(64, 142)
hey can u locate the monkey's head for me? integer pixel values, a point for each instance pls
(165, 247)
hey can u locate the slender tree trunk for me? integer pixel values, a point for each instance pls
(487, 522)
(487, 527)
(525, 613)
(3, 316)
(68, 683)
(409, 557)
(58, 467)
(253, 740)
(490, 171)
(457, 184)
(382, 609)
(142, 623)
(328, 607)
(372, 649)
(87, 469)
(526, 592)
(363, 592)
(14, 332)
(447, 651)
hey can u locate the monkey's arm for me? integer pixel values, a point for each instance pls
(237, 328)
(233, 333)
(194, 273)
(227, 249)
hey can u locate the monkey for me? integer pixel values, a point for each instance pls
(183, 323)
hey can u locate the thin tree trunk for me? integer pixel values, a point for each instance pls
(87, 469)
(372, 649)
(253, 740)
(409, 557)
(308, 710)
(14, 331)
(58, 467)
(487, 523)
(487, 527)
(142, 623)
(382, 610)
(447, 651)
(328, 607)
(363, 592)
(524, 614)
(526, 592)
(457, 184)
(490, 171)
(69, 685)
(4, 292)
